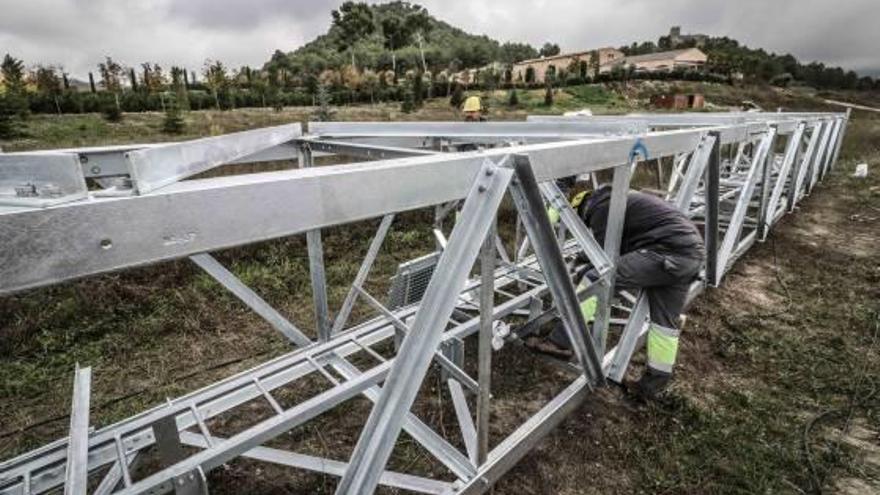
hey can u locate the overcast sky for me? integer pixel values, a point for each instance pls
(78, 33)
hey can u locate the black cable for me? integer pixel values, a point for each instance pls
(130, 395)
(855, 402)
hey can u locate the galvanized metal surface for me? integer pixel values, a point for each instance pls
(736, 199)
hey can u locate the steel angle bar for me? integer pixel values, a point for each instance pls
(819, 158)
(328, 466)
(360, 150)
(196, 216)
(450, 367)
(832, 147)
(523, 439)
(575, 225)
(40, 180)
(436, 445)
(629, 338)
(732, 235)
(465, 420)
(260, 433)
(315, 249)
(363, 272)
(503, 130)
(783, 177)
(711, 227)
(613, 240)
(694, 173)
(154, 168)
(417, 349)
(527, 198)
(244, 293)
(110, 161)
(484, 347)
(804, 166)
(77, 471)
(839, 143)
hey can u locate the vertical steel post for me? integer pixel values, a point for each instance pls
(613, 238)
(764, 196)
(417, 350)
(316, 263)
(710, 234)
(484, 348)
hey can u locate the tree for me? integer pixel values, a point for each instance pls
(510, 53)
(153, 78)
(418, 91)
(10, 120)
(408, 105)
(512, 98)
(324, 111)
(549, 50)
(14, 98)
(371, 83)
(457, 97)
(48, 83)
(354, 21)
(111, 78)
(216, 79)
(399, 27)
(548, 94)
(12, 70)
(173, 122)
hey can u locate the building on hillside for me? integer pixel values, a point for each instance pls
(677, 39)
(678, 101)
(583, 64)
(686, 59)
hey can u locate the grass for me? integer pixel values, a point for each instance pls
(751, 378)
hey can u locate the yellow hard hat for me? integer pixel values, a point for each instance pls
(472, 104)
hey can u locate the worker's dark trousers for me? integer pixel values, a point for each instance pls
(665, 276)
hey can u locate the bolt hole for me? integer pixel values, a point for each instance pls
(106, 244)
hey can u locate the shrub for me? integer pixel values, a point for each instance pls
(457, 97)
(512, 98)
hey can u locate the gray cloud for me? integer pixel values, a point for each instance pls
(78, 33)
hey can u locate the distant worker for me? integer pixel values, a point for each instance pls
(661, 253)
(473, 109)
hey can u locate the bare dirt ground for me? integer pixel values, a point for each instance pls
(774, 392)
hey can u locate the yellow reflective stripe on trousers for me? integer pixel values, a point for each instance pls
(662, 348)
(588, 308)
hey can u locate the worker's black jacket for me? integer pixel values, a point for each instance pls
(650, 222)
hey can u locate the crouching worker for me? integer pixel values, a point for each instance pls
(661, 253)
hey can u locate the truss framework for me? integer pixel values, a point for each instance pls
(66, 214)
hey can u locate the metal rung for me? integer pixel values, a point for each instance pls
(322, 370)
(123, 460)
(271, 400)
(201, 423)
(369, 350)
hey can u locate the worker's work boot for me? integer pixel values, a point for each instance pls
(652, 384)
